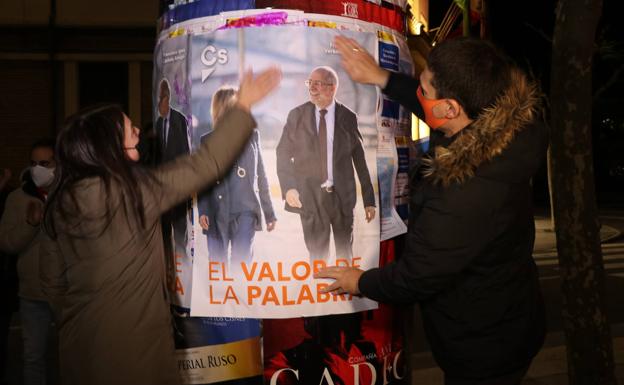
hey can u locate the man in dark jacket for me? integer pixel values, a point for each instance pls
(468, 255)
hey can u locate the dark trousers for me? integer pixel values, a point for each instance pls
(514, 378)
(241, 231)
(175, 239)
(180, 235)
(327, 217)
(174, 229)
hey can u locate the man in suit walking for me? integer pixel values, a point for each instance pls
(173, 141)
(319, 147)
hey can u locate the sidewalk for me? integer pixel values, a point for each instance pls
(548, 368)
(550, 365)
(545, 235)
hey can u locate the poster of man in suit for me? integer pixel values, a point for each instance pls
(173, 140)
(319, 148)
(313, 156)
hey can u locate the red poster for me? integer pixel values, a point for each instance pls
(356, 9)
(362, 348)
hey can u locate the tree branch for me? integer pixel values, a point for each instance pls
(612, 80)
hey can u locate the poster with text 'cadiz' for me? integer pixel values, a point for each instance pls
(303, 194)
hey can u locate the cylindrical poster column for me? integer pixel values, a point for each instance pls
(244, 250)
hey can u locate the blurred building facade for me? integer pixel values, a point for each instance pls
(57, 56)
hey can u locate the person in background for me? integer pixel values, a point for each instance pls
(468, 253)
(8, 283)
(20, 234)
(5, 177)
(103, 270)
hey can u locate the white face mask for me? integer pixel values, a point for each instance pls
(42, 176)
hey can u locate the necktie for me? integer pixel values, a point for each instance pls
(165, 132)
(322, 134)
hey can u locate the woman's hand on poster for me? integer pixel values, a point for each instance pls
(346, 279)
(255, 88)
(359, 64)
(292, 198)
(271, 225)
(204, 222)
(369, 211)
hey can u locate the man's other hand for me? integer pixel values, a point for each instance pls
(370, 213)
(347, 279)
(292, 198)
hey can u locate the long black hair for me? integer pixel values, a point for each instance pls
(91, 144)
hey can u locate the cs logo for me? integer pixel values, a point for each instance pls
(211, 56)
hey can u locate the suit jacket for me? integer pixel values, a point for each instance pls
(177, 144)
(298, 157)
(177, 141)
(215, 203)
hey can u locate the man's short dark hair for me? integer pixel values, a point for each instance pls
(471, 71)
(43, 143)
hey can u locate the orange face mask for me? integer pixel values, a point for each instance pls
(428, 105)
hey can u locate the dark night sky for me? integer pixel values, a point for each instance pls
(524, 31)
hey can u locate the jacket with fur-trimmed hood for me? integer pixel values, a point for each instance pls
(468, 253)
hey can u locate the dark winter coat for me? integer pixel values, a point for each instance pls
(468, 253)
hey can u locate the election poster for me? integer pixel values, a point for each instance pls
(303, 195)
(248, 253)
(394, 131)
(173, 132)
(360, 10)
(208, 349)
(218, 349)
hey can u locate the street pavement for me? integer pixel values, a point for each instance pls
(550, 365)
(548, 368)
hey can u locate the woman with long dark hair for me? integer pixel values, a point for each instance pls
(103, 265)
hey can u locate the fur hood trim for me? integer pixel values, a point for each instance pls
(488, 136)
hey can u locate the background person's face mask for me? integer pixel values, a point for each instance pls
(42, 176)
(428, 105)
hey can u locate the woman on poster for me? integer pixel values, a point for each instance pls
(231, 211)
